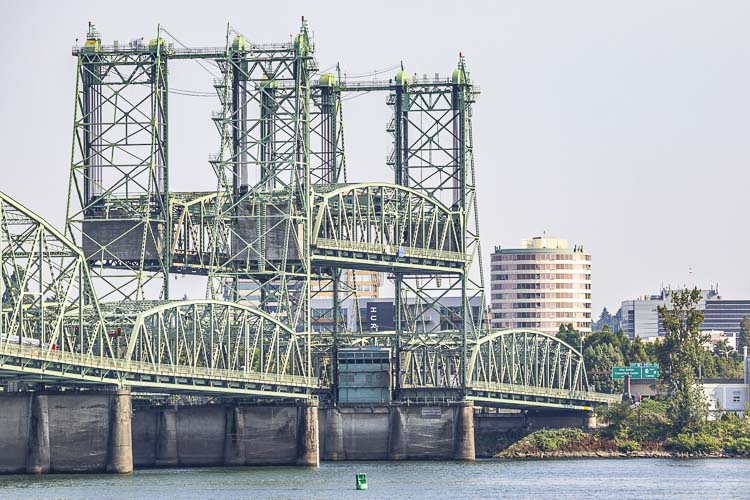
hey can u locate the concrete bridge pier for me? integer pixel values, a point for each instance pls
(120, 449)
(234, 436)
(333, 436)
(397, 433)
(38, 456)
(464, 448)
(166, 438)
(591, 422)
(308, 453)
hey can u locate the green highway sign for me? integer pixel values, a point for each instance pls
(619, 372)
(636, 371)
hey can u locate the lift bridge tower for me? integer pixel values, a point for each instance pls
(118, 198)
(281, 213)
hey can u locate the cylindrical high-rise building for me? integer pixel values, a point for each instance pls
(541, 285)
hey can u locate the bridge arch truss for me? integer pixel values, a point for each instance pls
(386, 225)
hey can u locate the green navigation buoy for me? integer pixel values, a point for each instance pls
(361, 481)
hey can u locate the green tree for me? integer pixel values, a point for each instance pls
(569, 335)
(607, 320)
(599, 360)
(679, 356)
(744, 335)
(723, 349)
(636, 352)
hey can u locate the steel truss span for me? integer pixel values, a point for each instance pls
(279, 216)
(384, 227)
(54, 330)
(526, 368)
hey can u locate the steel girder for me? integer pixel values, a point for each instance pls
(193, 219)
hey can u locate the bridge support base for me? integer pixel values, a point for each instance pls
(308, 450)
(234, 436)
(464, 448)
(334, 436)
(38, 458)
(397, 434)
(120, 453)
(591, 422)
(166, 439)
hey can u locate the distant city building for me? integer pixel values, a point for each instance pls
(718, 336)
(640, 317)
(367, 284)
(541, 285)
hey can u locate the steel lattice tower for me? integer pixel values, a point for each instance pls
(433, 153)
(118, 207)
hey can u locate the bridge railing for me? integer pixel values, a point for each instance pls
(378, 248)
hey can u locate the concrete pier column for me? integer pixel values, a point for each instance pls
(307, 438)
(166, 438)
(334, 435)
(234, 436)
(591, 422)
(37, 459)
(397, 433)
(463, 446)
(120, 453)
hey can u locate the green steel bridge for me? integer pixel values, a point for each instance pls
(90, 305)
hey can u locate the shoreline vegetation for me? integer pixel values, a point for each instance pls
(643, 430)
(575, 443)
(674, 424)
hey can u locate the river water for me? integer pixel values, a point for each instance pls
(604, 478)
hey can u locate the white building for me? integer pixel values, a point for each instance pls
(541, 285)
(726, 396)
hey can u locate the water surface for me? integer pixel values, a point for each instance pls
(604, 478)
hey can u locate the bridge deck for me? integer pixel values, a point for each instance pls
(523, 397)
(32, 364)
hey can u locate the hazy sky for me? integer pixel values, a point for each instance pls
(622, 126)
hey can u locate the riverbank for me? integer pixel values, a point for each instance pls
(575, 443)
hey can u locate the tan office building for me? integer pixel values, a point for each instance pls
(541, 285)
